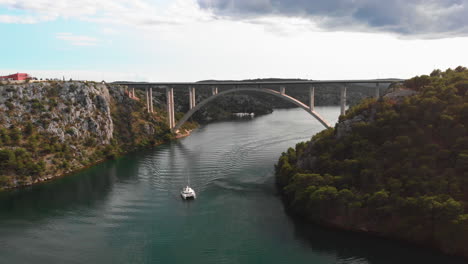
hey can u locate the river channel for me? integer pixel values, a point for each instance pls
(129, 210)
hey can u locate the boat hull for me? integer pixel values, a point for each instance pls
(188, 196)
(188, 193)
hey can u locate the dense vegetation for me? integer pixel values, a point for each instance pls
(400, 170)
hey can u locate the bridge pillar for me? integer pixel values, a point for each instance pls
(193, 101)
(170, 106)
(312, 98)
(190, 98)
(133, 92)
(147, 99)
(377, 91)
(282, 90)
(151, 110)
(343, 99)
(214, 90)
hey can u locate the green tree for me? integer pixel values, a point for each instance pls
(15, 135)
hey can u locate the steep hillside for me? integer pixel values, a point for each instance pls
(50, 129)
(397, 167)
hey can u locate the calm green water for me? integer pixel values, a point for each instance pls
(130, 211)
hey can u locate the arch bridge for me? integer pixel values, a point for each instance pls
(238, 86)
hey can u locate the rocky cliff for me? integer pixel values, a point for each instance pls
(49, 129)
(66, 111)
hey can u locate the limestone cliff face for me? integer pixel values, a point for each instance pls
(68, 111)
(48, 129)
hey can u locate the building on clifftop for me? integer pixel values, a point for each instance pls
(16, 77)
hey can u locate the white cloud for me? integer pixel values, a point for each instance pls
(17, 20)
(136, 13)
(77, 40)
(28, 19)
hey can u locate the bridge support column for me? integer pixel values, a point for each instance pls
(282, 90)
(377, 91)
(151, 110)
(194, 98)
(190, 98)
(147, 99)
(312, 98)
(214, 90)
(133, 92)
(343, 99)
(170, 106)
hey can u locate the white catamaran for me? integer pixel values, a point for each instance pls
(187, 192)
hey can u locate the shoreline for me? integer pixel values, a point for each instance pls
(302, 219)
(52, 178)
(184, 135)
(49, 178)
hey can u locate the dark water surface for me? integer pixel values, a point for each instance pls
(129, 210)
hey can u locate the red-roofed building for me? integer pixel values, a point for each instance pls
(15, 77)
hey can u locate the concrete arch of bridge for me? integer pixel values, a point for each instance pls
(262, 90)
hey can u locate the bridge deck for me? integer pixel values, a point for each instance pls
(256, 83)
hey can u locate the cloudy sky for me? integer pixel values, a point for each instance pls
(190, 40)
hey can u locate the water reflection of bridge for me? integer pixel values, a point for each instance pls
(237, 86)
